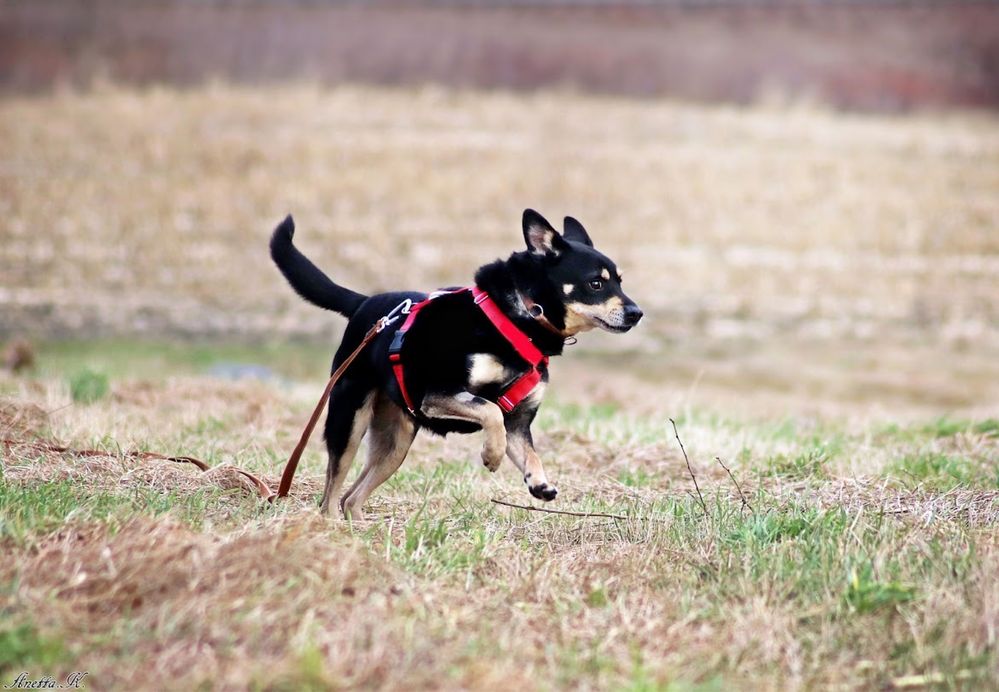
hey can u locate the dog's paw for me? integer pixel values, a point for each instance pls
(491, 461)
(543, 491)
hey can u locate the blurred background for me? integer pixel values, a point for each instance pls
(803, 196)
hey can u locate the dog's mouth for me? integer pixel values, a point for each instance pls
(614, 328)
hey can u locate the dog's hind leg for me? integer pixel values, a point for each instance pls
(348, 419)
(392, 433)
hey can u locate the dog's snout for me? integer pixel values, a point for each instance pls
(633, 313)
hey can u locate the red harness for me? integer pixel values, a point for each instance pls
(522, 344)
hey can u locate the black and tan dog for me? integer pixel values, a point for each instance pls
(458, 362)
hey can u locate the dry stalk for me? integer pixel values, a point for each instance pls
(689, 469)
(585, 515)
(745, 502)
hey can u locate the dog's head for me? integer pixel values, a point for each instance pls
(586, 282)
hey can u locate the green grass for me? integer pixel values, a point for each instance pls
(88, 386)
(119, 358)
(865, 593)
(810, 463)
(943, 427)
(28, 512)
(942, 471)
(22, 647)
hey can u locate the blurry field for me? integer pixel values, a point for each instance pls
(789, 254)
(823, 317)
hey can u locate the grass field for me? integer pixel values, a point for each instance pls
(821, 302)
(863, 555)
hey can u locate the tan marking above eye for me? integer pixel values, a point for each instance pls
(567, 288)
(606, 274)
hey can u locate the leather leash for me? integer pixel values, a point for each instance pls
(289, 468)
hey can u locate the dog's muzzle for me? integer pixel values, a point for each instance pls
(632, 315)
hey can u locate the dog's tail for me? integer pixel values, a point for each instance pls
(307, 279)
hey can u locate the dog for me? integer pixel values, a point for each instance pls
(464, 360)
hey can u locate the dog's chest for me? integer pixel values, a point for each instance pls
(487, 374)
(486, 369)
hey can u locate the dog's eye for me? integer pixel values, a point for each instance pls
(596, 284)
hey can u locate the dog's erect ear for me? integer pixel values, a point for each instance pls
(575, 232)
(539, 235)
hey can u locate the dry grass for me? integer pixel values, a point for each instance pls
(786, 257)
(735, 220)
(141, 572)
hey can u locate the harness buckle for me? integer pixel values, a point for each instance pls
(395, 313)
(396, 344)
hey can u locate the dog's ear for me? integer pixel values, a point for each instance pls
(575, 232)
(540, 237)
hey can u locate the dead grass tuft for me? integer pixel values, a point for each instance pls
(22, 420)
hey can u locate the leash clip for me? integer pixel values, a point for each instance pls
(398, 311)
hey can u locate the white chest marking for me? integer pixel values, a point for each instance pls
(485, 369)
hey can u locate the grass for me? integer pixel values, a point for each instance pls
(827, 578)
(88, 386)
(21, 645)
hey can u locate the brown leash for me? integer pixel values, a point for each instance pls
(289, 468)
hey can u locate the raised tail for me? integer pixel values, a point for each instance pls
(307, 279)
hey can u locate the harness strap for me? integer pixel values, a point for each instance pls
(522, 344)
(519, 340)
(395, 348)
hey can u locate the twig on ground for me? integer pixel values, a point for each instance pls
(691, 470)
(601, 515)
(745, 502)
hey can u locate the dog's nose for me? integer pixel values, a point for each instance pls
(633, 313)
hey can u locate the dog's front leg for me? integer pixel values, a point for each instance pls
(475, 409)
(520, 449)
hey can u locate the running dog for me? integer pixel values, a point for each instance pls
(458, 360)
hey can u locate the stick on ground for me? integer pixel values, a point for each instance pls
(691, 470)
(745, 502)
(600, 515)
